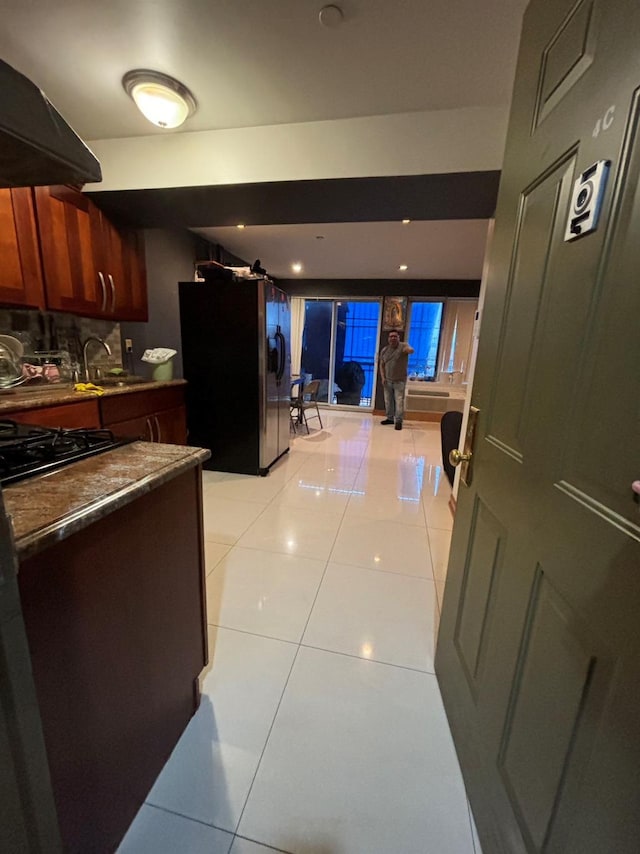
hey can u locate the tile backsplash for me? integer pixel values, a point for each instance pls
(45, 331)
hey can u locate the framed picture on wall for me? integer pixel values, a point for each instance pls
(394, 313)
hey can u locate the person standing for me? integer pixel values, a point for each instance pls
(393, 371)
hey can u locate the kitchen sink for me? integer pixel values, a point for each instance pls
(118, 382)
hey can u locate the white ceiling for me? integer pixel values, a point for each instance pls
(255, 63)
(442, 249)
(263, 62)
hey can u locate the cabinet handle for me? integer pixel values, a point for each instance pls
(113, 294)
(150, 429)
(103, 307)
(155, 418)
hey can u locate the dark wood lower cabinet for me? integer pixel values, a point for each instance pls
(168, 426)
(155, 416)
(85, 413)
(171, 426)
(116, 622)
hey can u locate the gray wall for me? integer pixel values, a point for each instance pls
(170, 257)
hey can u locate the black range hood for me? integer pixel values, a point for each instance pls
(37, 146)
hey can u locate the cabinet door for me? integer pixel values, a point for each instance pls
(20, 271)
(134, 301)
(114, 272)
(133, 404)
(126, 274)
(135, 428)
(171, 426)
(72, 245)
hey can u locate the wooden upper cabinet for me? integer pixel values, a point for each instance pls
(20, 270)
(91, 267)
(136, 276)
(72, 248)
(125, 273)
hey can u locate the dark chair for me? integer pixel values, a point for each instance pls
(450, 437)
(351, 378)
(307, 398)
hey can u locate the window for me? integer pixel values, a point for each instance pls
(457, 339)
(340, 340)
(424, 336)
(356, 340)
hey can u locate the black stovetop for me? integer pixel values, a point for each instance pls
(27, 450)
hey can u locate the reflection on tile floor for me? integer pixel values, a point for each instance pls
(321, 729)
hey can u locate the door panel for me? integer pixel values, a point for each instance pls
(538, 652)
(481, 574)
(550, 697)
(538, 225)
(567, 56)
(608, 393)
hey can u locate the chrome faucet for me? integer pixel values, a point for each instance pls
(84, 353)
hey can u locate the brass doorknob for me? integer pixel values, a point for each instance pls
(456, 457)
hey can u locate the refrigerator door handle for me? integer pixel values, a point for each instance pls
(282, 354)
(273, 356)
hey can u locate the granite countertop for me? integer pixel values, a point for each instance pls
(51, 507)
(37, 398)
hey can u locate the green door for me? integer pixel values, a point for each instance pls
(538, 654)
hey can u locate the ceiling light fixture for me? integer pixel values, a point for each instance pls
(403, 267)
(406, 221)
(296, 267)
(161, 99)
(240, 225)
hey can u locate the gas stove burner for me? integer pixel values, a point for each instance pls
(12, 431)
(28, 449)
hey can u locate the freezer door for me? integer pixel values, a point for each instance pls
(270, 361)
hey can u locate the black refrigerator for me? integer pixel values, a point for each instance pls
(237, 362)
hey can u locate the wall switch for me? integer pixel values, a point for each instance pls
(128, 345)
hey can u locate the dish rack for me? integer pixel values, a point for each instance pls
(41, 369)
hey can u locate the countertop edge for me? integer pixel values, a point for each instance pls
(42, 538)
(18, 402)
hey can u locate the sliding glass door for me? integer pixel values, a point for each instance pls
(339, 346)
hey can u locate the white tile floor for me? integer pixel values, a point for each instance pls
(321, 729)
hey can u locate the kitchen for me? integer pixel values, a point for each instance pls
(71, 528)
(150, 413)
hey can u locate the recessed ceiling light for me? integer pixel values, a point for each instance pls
(296, 267)
(161, 99)
(319, 236)
(406, 221)
(240, 225)
(403, 267)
